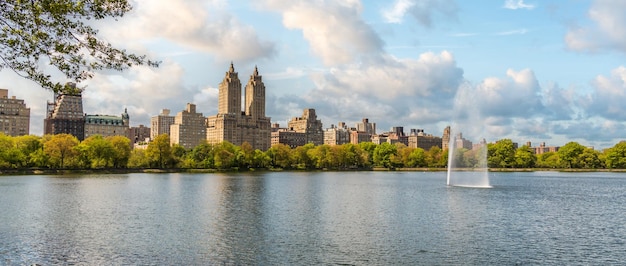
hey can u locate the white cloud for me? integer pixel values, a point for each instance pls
(517, 4)
(609, 95)
(513, 32)
(143, 90)
(388, 90)
(420, 10)
(334, 29)
(201, 26)
(606, 31)
(396, 13)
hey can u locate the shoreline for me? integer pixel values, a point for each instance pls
(4, 172)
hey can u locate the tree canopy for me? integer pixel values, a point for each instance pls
(57, 32)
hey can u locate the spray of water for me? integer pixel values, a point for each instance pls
(467, 117)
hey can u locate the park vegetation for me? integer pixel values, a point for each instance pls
(65, 151)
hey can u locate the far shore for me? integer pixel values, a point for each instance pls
(30, 171)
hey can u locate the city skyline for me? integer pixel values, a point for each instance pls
(539, 71)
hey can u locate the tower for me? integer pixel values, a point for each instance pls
(255, 96)
(230, 123)
(229, 101)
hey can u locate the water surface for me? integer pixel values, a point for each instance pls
(292, 218)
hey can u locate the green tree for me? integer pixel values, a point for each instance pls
(178, 155)
(225, 156)
(60, 150)
(354, 156)
(159, 151)
(10, 155)
(321, 156)
(202, 156)
(383, 154)
(138, 159)
(99, 152)
(28, 145)
(260, 159)
(280, 155)
(590, 159)
(501, 154)
(300, 157)
(434, 157)
(569, 154)
(369, 148)
(57, 32)
(615, 157)
(245, 155)
(548, 160)
(525, 157)
(121, 150)
(417, 158)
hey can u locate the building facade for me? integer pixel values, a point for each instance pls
(418, 139)
(107, 125)
(139, 134)
(445, 140)
(65, 114)
(14, 115)
(160, 124)
(337, 135)
(189, 128)
(309, 125)
(366, 126)
(288, 137)
(234, 125)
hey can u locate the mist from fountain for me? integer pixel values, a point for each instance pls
(476, 175)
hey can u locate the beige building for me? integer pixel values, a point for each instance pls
(543, 148)
(288, 137)
(357, 137)
(107, 125)
(14, 115)
(445, 140)
(419, 139)
(189, 128)
(65, 114)
(309, 125)
(337, 135)
(160, 124)
(231, 124)
(366, 126)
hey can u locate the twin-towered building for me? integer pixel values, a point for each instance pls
(231, 124)
(234, 125)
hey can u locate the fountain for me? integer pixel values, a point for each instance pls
(475, 175)
(475, 170)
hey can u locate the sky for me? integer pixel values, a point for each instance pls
(529, 70)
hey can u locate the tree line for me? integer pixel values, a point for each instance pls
(64, 151)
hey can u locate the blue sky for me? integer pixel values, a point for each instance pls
(539, 71)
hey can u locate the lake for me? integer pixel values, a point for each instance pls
(305, 218)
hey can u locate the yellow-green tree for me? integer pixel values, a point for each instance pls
(159, 151)
(60, 150)
(121, 150)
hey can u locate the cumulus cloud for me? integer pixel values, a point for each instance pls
(202, 26)
(609, 95)
(334, 29)
(422, 10)
(387, 90)
(512, 106)
(143, 91)
(605, 30)
(517, 4)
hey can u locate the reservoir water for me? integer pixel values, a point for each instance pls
(294, 218)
